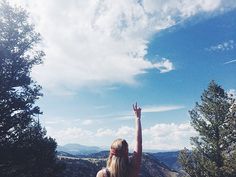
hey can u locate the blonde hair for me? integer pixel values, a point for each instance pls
(118, 163)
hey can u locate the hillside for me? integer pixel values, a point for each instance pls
(169, 158)
(152, 167)
(88, 167)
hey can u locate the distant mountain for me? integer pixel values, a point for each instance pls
(152, 167)
(89, 166)
(66, 154)
(169, 158)
(78, 149)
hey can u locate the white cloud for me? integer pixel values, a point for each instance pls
(161, 108)
(164, 66)
(223, 46)
(183, 9)
(124, 117)
(159, 137)
(97, 42)
(231, 61)
(125, 131)
(168, 136)
(71, 135)
(104, 132)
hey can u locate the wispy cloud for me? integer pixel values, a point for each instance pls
(54, 122)
(58, 121)
(149, 109)
(101, 107)
(127, 115)
(91, 42)
(223, 46)
(231, 61)
(124, 117)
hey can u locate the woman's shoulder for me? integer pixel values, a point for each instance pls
(99, 173)
(103, 173)
(133, 157)
(135, 160)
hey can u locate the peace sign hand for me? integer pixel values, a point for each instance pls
(137, 110)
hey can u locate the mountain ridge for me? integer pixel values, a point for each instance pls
(78, 149)
(90, 165)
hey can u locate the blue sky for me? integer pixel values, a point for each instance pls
(102, 57)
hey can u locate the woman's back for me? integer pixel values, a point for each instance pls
(118, 163)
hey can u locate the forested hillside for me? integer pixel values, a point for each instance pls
(89, 166)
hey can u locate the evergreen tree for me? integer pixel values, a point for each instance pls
(214, 149)
(24, 148)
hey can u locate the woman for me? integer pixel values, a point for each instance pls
(118, 163)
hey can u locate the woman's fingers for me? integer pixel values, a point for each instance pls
(137, 110)
(135, 107)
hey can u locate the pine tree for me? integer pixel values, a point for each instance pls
(214, 149)
(25, 150)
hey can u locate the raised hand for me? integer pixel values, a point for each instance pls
(137, 110)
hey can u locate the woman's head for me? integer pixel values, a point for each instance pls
(118, 159)
(119, 148)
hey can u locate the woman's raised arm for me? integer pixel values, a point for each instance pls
(138, 138)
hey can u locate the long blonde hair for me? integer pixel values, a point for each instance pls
(118, 162)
